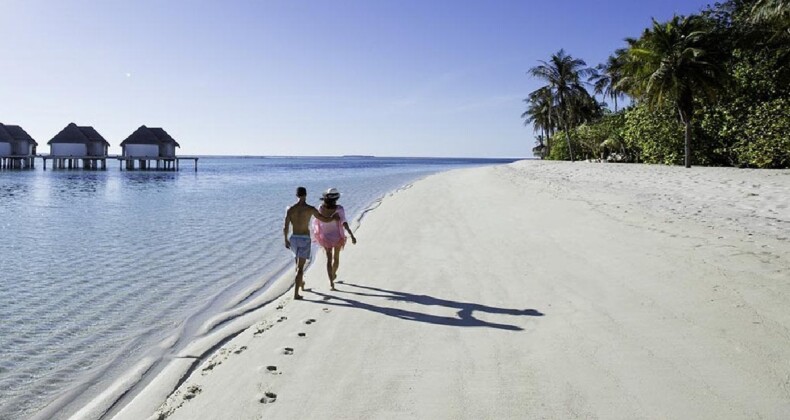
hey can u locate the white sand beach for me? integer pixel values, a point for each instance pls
(535, 290)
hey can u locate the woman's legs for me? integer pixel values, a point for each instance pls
(336, 262)
(329, 266)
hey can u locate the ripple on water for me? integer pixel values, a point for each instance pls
(105, 264)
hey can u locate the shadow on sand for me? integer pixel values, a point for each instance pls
(465, 310)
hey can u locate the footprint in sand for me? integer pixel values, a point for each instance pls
(268, 398)
(282, 318)
(309, 321)
(240, 350)
(192, 392)
(327, 310)
(302, 334)
(272, 369)
(288, 351)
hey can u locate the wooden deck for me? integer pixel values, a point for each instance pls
(145, 163)
(75, 162)
(17, 162)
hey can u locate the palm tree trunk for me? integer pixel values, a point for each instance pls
(687, 124)
(685, 118)
(568, 139)
(545, 146)
(548, 136)
(564, 120)
(568, 136)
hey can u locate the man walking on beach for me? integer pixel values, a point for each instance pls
(298, 217)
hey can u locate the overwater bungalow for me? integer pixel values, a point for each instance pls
(167, 146)
(74, 144)
(17, 148)
(97, 145)
(148, 144)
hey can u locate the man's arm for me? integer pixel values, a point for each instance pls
(317, 214)
(285, 228)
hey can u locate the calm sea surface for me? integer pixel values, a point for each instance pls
(97, 267)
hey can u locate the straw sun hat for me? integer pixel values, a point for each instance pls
(331, 193)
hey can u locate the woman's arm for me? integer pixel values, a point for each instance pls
(350, 233)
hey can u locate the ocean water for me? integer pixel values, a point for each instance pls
(97, 267)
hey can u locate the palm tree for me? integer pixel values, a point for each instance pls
(607, 76)
(584, 109)
(540, 113)
(775, 11)
(563, 76)
(671, 62)
(773, 16)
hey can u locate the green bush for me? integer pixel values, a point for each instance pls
(559, 147)
(765, 137)
(654, 135)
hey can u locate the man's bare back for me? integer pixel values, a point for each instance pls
(299, 216)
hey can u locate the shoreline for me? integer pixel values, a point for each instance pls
(214, 332)
(631, 302)
(156, 359)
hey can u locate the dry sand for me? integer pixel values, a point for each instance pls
(526, 291)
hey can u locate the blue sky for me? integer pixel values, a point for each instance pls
(386, 78)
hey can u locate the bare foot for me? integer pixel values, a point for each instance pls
(298, 297)
(302, 285)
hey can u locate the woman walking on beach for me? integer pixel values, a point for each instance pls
(332, 235)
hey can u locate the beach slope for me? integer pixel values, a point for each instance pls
(530, 290)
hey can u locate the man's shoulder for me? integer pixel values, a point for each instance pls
(300, 207)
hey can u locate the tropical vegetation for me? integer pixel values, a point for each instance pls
(711, 88)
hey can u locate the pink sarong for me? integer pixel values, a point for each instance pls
(331, 234)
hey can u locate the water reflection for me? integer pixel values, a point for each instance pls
(156, 181)
(83, 184)
(14, 190)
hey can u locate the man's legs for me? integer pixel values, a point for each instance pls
(299, 281)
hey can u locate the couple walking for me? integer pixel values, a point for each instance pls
(329, 229)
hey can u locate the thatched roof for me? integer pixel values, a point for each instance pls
(5, 137)
(150, 135)
(76, 134)
(142, 135)
(162, 135)
(70, 134)
(19, 134)
(93, 135)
